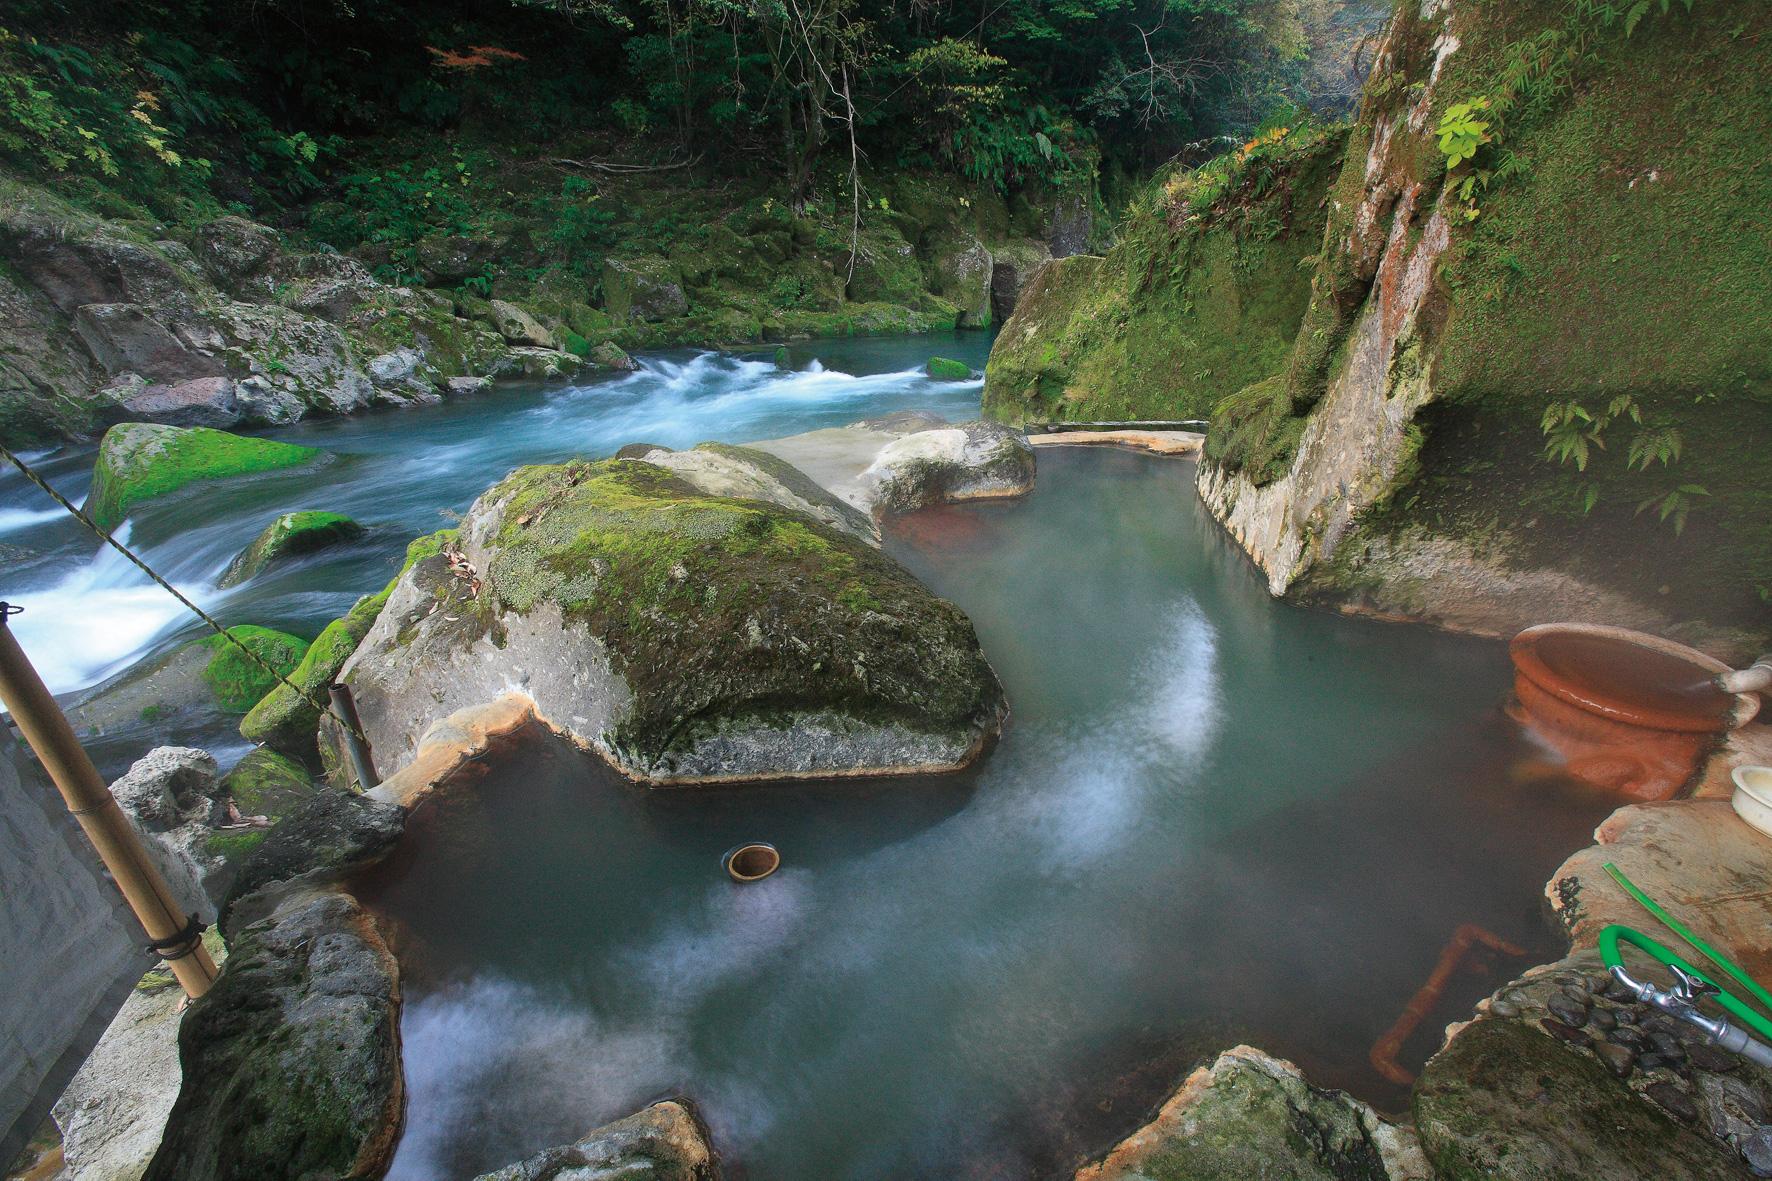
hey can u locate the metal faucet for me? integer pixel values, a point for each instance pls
(1681, 1001)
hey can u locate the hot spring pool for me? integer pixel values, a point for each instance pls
(1213, 818)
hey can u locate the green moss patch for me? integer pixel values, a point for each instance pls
(235, 678)
(286, 719)
(265, 783)
(714, 608)
(946, 369)
(140, 461)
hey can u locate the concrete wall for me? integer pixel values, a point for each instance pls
(70, 947)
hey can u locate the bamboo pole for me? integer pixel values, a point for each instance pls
(46, 729)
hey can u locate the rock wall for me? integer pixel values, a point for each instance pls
(68, 942)
(1607, 250)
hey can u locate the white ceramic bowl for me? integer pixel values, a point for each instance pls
(1753, 796)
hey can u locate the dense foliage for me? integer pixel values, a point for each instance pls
(259, 106)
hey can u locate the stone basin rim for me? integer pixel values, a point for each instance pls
(1527, 662)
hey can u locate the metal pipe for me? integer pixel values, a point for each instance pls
(175, 937)
(1755, 678)
(356, 744)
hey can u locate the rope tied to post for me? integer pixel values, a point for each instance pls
(318, 698)
(180, 943)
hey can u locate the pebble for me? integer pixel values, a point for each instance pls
(1628, 1016)
(1757, 1150)
(1566, 1033)
(1618, 1060)
(1599, 982)
(1602, 1019)
(1677, 1103)
(1651, 1061)
(1630, 1037)
(1503, 1008)
(1712, 1058)
(1666, 1044)
(1567, 1008)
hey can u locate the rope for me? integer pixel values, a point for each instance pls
(325, 707)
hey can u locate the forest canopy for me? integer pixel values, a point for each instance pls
(258, 105)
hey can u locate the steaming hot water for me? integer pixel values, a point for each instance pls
(1213, 818)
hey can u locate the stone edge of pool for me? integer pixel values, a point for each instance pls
(1242, 1111)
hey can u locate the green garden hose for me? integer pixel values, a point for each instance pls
(1716, 957)
(1612, 936)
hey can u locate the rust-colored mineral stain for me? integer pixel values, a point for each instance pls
(1630, 713)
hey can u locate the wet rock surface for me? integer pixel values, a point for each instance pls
(1504, 1101)
(291, 1061)
(1250, 1115)
(661, 1143)
(683, 636)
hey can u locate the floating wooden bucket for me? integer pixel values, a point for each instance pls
(752, 862)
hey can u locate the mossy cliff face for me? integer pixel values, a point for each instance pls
(1202, 295)
(1609, 245)
(139, 461)
(684, 636)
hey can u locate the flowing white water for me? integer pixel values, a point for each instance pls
(90, 615)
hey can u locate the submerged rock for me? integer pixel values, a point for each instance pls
(661, 1143)
(1252, 1116)
(686, 637)
(291, 1061)
(287, 536)
(139, 461)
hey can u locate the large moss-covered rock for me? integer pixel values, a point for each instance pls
(140, 461)
(236, 678)
(288, 536)
(661, 1143)
(1504, 1102)
(285, 719)
(645, 288)
(684, 636)
(292, 1060)
(1251, 1116)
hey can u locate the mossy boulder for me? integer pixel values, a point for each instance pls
(1249, 1115)
(140, 461)
(646, 288)
(686, 637)
(288, 536)
(1505, 1102)
(265, 783)
(286, 719)
(947, 369)
(237, 680)
(662, 1143)
(292, 1060)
